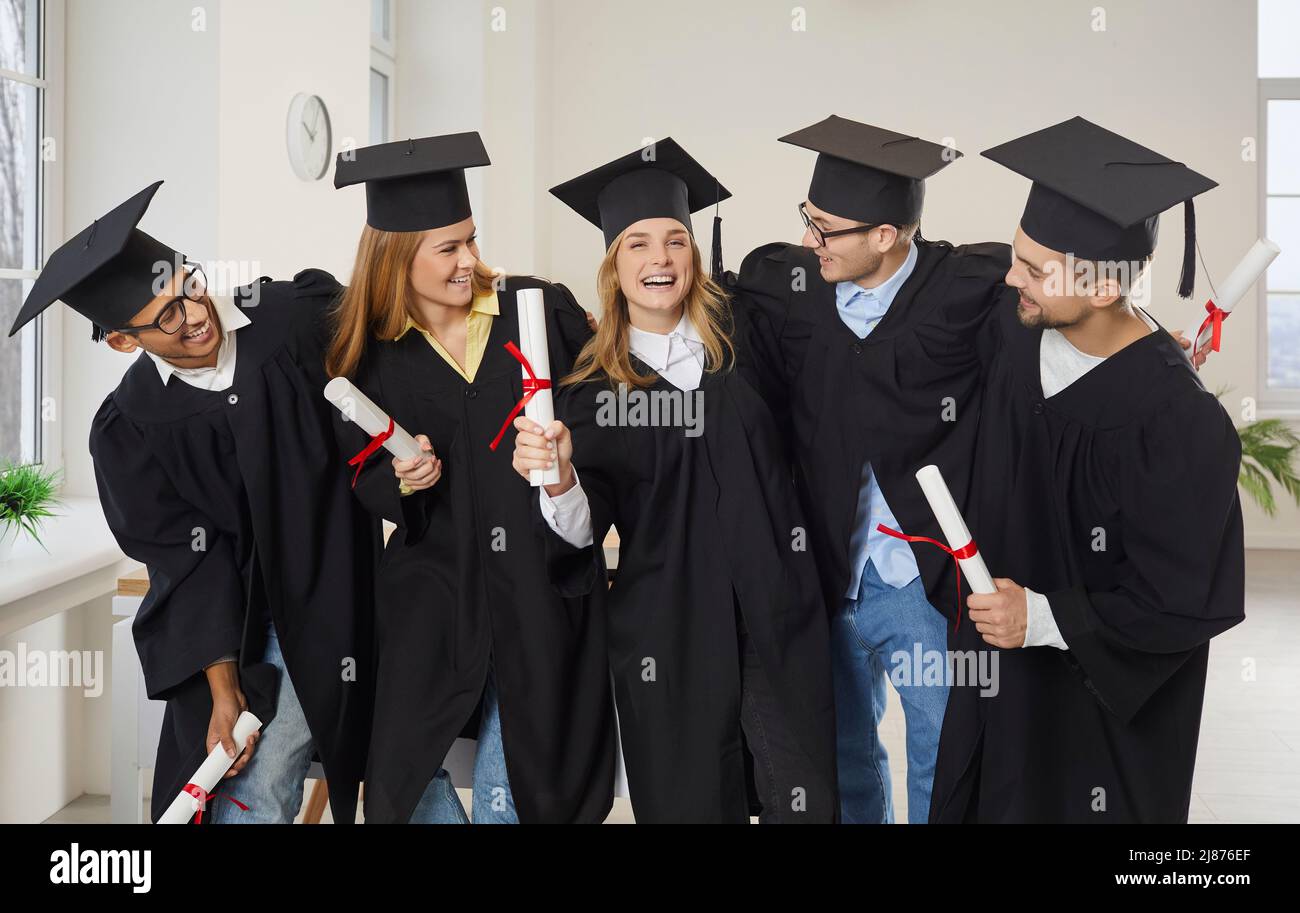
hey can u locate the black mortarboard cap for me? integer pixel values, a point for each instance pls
(414, 184)
(658, 181)
(106, 273)
(1098, 195)
(867, 173)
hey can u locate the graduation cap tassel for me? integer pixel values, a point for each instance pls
(715, 267)
(1187, 281)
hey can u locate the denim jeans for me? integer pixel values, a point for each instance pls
(272, 783)
(493, 802)
(874, 637)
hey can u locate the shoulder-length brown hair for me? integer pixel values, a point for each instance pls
(608, 352)
(377, 302)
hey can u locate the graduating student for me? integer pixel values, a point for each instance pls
(465, 615)
(1106, 490)
(214, 461)
(876, 330)
(717, 637)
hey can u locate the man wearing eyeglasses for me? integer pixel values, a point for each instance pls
(215, 463)
(872, 330)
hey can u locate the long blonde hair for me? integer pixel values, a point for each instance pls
(378, 300)
(608, 352)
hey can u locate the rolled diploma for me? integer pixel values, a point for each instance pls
(357, 407)
(210, 772)
(954, 527)
(1239, 281)
(533, 343)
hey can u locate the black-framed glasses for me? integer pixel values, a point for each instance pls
(171, 318)
(820, 236)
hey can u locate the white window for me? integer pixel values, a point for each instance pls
(30, 111)
(383, 67)
(1279, 209)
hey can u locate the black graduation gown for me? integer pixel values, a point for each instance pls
(907, 395)
(705, 524)
(235, 502)
(1139, 452)
(463, 582)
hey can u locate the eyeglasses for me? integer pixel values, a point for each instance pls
(172, 317)
(820, 236)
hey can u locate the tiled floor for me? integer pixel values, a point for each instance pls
(1248, 764)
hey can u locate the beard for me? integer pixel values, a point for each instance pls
(1041, 320)
(858, 268)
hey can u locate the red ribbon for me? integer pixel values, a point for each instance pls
(969, 550)
(203, 796)
(1215, 319)
(369, 450)
(532, 383)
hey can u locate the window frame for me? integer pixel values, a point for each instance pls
(1285, 401)
(42, 349)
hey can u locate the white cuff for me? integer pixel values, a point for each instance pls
(568, 515)
(1040, 625)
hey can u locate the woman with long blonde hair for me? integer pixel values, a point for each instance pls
(421, 330)
(717, 633)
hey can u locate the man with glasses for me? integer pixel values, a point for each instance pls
(873, 330)
(215, 462)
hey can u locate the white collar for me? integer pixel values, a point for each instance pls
(654, 348)
(229, 316)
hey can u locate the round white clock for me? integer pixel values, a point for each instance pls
(308, 137)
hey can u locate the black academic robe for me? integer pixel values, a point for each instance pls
(1117, 499)
(705, 524)
(236, 503)
(462, 583)
(906, 396)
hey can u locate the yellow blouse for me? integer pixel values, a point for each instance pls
(478, 326)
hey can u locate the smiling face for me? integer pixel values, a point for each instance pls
(444, 265)
(847, 258)
(654, 264)
(1051, 295)
(194, 345)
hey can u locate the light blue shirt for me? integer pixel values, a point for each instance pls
(861, 310)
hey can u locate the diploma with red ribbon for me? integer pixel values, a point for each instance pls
(194, 797)
(535, 359)
(1230, 293)
(201, 798)
(383, 431)
(961, 546)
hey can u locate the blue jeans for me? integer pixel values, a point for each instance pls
(874, 635)
(272, 783)
(493, 802)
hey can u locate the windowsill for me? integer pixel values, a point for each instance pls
(80, 560)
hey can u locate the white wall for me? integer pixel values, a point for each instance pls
(269, 52)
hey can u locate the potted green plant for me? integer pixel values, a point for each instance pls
(27, 494)
(1268, 451)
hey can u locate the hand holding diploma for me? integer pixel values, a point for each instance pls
(539, 449)
(533, 355)
(194, 798)
(422, 472)
(228, 705)
(384, 432)
(960, 544)
(1002, 617)
(1205, 336)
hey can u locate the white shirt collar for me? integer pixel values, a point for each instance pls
(231, 318)
(655, 348)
